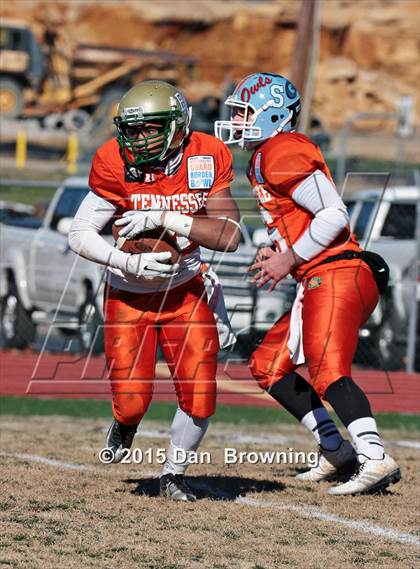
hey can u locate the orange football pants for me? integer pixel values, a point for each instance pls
(335, 305)
(181, 321)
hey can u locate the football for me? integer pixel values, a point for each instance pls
(153, 241)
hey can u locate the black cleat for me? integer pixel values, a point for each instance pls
(173, 486)
(118, 438)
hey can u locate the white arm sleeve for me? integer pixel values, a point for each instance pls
(318, 195)
(93, 214)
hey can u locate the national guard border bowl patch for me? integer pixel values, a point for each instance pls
(314, 282)
(200, 172)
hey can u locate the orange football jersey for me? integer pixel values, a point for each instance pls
(203, 168)
(276, 169)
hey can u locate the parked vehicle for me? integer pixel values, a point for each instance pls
(40, 280)
(387, 225)
(43, 281)
(15, 210)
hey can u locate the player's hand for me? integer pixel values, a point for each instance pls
(136, 222)
(151, 265)
(264, 253)
(275, 268)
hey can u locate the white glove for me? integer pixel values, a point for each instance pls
(151, 265)
(138, 221)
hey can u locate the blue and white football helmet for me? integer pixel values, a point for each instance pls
(269, 103)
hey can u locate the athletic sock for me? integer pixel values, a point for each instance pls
(364, 434)
(301, 400)
(322, 427)
(186, 435)
(353, 408)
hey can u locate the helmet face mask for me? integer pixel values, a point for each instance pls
(152, 121)
(270, 103)
(138, 148)
(235, 130)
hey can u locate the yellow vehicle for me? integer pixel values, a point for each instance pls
(22, 63)
(70, 84)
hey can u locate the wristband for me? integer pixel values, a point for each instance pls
(118, 260)
(177, 222)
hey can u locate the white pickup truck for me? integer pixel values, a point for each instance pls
(43, 281)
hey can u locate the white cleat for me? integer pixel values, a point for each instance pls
(373, 475)
(330, 463)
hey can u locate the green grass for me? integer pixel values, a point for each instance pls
(92, 408)
(56, 171)
(29, 196)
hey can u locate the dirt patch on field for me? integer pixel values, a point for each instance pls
(61, 507)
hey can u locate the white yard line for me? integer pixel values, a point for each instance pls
(49, 461)
(406, 444)
(53, 462)
(158, 433)
(314, 513)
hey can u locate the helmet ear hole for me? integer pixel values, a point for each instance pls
(274, 118)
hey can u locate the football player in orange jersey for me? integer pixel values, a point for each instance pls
(158, 174)
(309, 229)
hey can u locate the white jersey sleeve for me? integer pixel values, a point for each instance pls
(318, 195)
(93, 214)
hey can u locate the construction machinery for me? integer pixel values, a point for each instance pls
(73, 86)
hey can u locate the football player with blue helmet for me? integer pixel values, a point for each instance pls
(339, 285)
